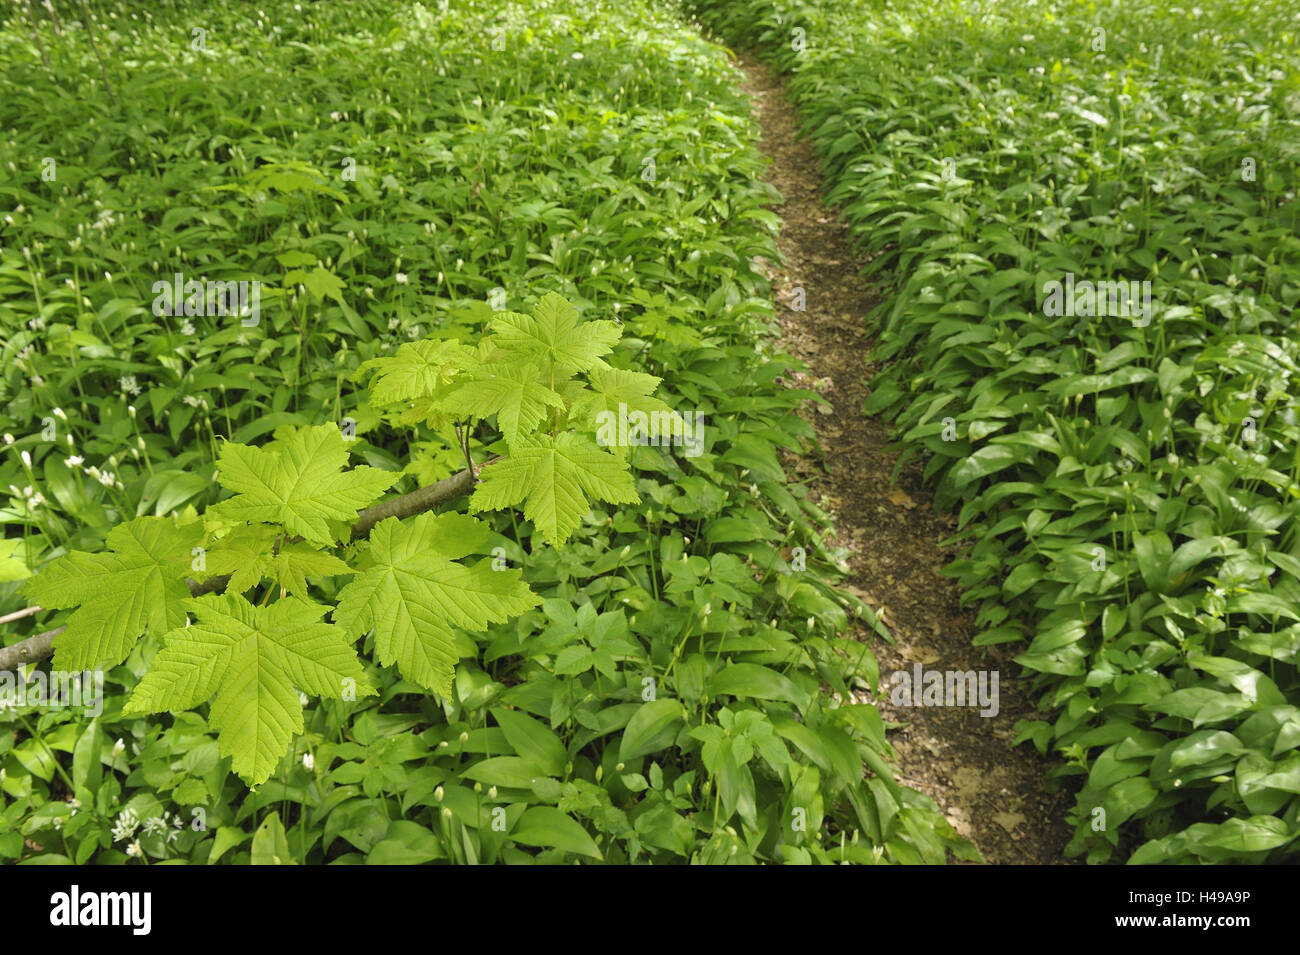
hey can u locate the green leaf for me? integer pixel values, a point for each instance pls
(618, 388)
(13, 563)
(756, 682)
(270, 844)
(532, 740)
(87, 766)
(552, 475)
(652, 727)
(515, 772)
(405, 843)
(548, 827)
(555, 334)
(987, 460)
(413, 595)
(417, 370)
(251, 659)
(1128, 797)
(512, 393)
(1256, 834)
(1154, 553)
(298, 482)
(248, 554)
(139, 585)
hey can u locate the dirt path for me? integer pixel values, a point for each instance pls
(992, 793)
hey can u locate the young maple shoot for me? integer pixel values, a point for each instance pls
(294, 501)
(526, 375)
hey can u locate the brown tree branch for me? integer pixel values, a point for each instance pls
(423, 499)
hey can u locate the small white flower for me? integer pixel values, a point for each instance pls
(153, 825)
(577, 56)
(125, 825)
(9, 439)
(134, 849)
(120, 746)
(308, 762)
(58, 413)
(187, 327)
(128, 384)
(108, 479)
(27, 459)
(400, 278)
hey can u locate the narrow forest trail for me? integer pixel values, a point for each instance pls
(993, 793)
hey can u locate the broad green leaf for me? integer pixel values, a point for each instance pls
(652, 727)
(512, 393)
(1128, 797)
(251, 659)
(548, 827)
(618, 389)
(515, 772)
(270, 844)
(405, 843)
(138, 585)
(413, 596)
(755, 682)
(555, 334)
(417, 370)
(554, 476)
(532, 740)
(249, 555)
(1256, 834)
(298, 482)
(13, 563)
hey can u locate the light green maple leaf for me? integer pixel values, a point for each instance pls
(617, 390)
(555, 334)
(298, 482)
(251, 659)
(417, 370)
(554, 476)
(249, 555)
(138, 585)
(413, 593)
(511, 392)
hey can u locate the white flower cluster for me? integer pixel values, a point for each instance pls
(31, 499)
(128, 821)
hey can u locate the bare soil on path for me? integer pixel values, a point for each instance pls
(995, 794)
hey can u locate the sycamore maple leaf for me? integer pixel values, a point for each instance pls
(414, 595)
(617, 392)
(251, 659)
(138, 585)
(553, 476)
(416, 370)
(249, 554)
(298, 482)
(555, 335)
(511, 392)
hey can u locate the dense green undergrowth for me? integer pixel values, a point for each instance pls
(1127, 482)
(683, 690)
